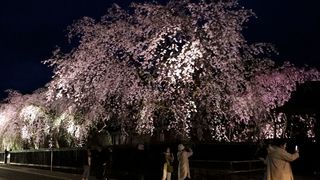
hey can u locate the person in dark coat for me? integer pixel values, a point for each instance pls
(100, 163)
(6, 152)
(140, 160)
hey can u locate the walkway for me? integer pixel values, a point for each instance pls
(10, 172)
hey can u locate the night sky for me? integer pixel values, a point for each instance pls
(30, 30)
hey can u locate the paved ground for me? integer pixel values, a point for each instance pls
(8, 172)
(22, 173)
(305, 178)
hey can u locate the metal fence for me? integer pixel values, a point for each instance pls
(211, 169)
(64, 159)
(210, 161)
(72, 159)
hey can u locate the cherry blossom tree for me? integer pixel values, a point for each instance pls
(267, 91)
(28, 121)
(22, 121)
(187, 59)
(9, 121)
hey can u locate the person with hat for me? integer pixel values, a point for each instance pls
(183, 158)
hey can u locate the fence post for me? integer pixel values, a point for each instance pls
(250, 167)
(51, 153)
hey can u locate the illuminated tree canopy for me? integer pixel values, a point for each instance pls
(27, 121)
(183, 67)
(190, 58)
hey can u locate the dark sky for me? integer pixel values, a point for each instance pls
(30, 30)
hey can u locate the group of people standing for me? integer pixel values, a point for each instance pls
(183, 165)
(277, 162)
(96, 159)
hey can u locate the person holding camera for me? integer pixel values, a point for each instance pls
(278, 162)
(183, 158)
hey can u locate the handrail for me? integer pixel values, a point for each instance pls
(249, 170)
(46, 166)
(44, 150)
(231, 166)
(220, 161)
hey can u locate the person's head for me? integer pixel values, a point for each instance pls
(88, 152)
(281, 143)
(168, 150)
(140, 147)
(180, 147)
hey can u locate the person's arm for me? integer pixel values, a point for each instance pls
(171, 157)
(288, 156)
(89, 160)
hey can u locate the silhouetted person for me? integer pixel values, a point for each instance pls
(6, 153)
(140, 160)
(100, 162)
(86, 164)
(109, 161)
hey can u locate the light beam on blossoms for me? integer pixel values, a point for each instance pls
(67, 123)
(36, 124)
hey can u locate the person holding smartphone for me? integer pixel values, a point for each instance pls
(183, 158)
(278, 162)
